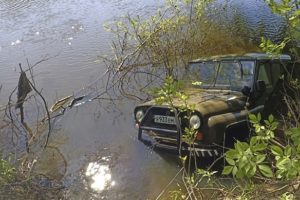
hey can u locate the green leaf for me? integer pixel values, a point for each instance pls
(297, 12)
(241, 146)
(271, 118)
(298, 149)
(288, 150)
(183, 158)
(265, 170)
(252, 117)
(280, 173)
(232, 153)
(238, 146)
(201, 171)
(240, 174)
(230, 161)
(276, 150)
(234, 170)
(248, 167)
(260, 158)
(274, 126)
(282, 163)
(227, 170)
(258, 117)
(252, 171)
(259, 147)
(253, 141)
(295, 134)
(267, 122)
(243, 161)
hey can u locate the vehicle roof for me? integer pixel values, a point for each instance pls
(247, 56)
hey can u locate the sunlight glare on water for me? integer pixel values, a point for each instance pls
(100, 176)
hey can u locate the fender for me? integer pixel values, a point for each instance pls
(218, 124)
(236, 131)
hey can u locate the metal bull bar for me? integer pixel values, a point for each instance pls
(200, 151)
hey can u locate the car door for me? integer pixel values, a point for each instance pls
(270, 72)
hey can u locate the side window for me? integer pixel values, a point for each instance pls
(264, 74)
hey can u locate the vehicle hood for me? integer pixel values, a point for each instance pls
(210, 102)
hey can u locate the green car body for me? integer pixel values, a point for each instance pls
(233, 86)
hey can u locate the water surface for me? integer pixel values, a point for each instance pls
(98, 139)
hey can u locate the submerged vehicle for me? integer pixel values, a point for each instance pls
(233, 86)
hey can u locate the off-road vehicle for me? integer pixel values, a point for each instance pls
(232, 87)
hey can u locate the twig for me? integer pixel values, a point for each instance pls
(290, 109)
(190, 190)
(47, 111)
(191, 11)
(12, 122)
(172, 180)
(30, 71)
(38, 62)
(283, 187)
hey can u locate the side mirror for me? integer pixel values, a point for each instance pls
(260, 86)
(246, 91)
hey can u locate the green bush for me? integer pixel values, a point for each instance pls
(264, 155)
(7, 171)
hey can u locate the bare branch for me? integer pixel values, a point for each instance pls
(47, 111)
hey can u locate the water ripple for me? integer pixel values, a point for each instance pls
(11, 7)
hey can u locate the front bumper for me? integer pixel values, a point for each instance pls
(169, 137)
(150, 137)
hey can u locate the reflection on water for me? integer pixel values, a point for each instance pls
(99, 176)
(51, 163)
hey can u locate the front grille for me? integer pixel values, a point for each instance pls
(166, 130)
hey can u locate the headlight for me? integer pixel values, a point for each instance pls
(195, 122)
(139, 115)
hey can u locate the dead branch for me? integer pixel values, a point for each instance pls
(171, 181)
(45, 58)
(47, 111)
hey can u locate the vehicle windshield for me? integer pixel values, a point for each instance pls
(231, 75)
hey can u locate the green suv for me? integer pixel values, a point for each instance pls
(232, 86)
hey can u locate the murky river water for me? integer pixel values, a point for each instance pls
(98, 140)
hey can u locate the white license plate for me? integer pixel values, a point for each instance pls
(161, 119)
